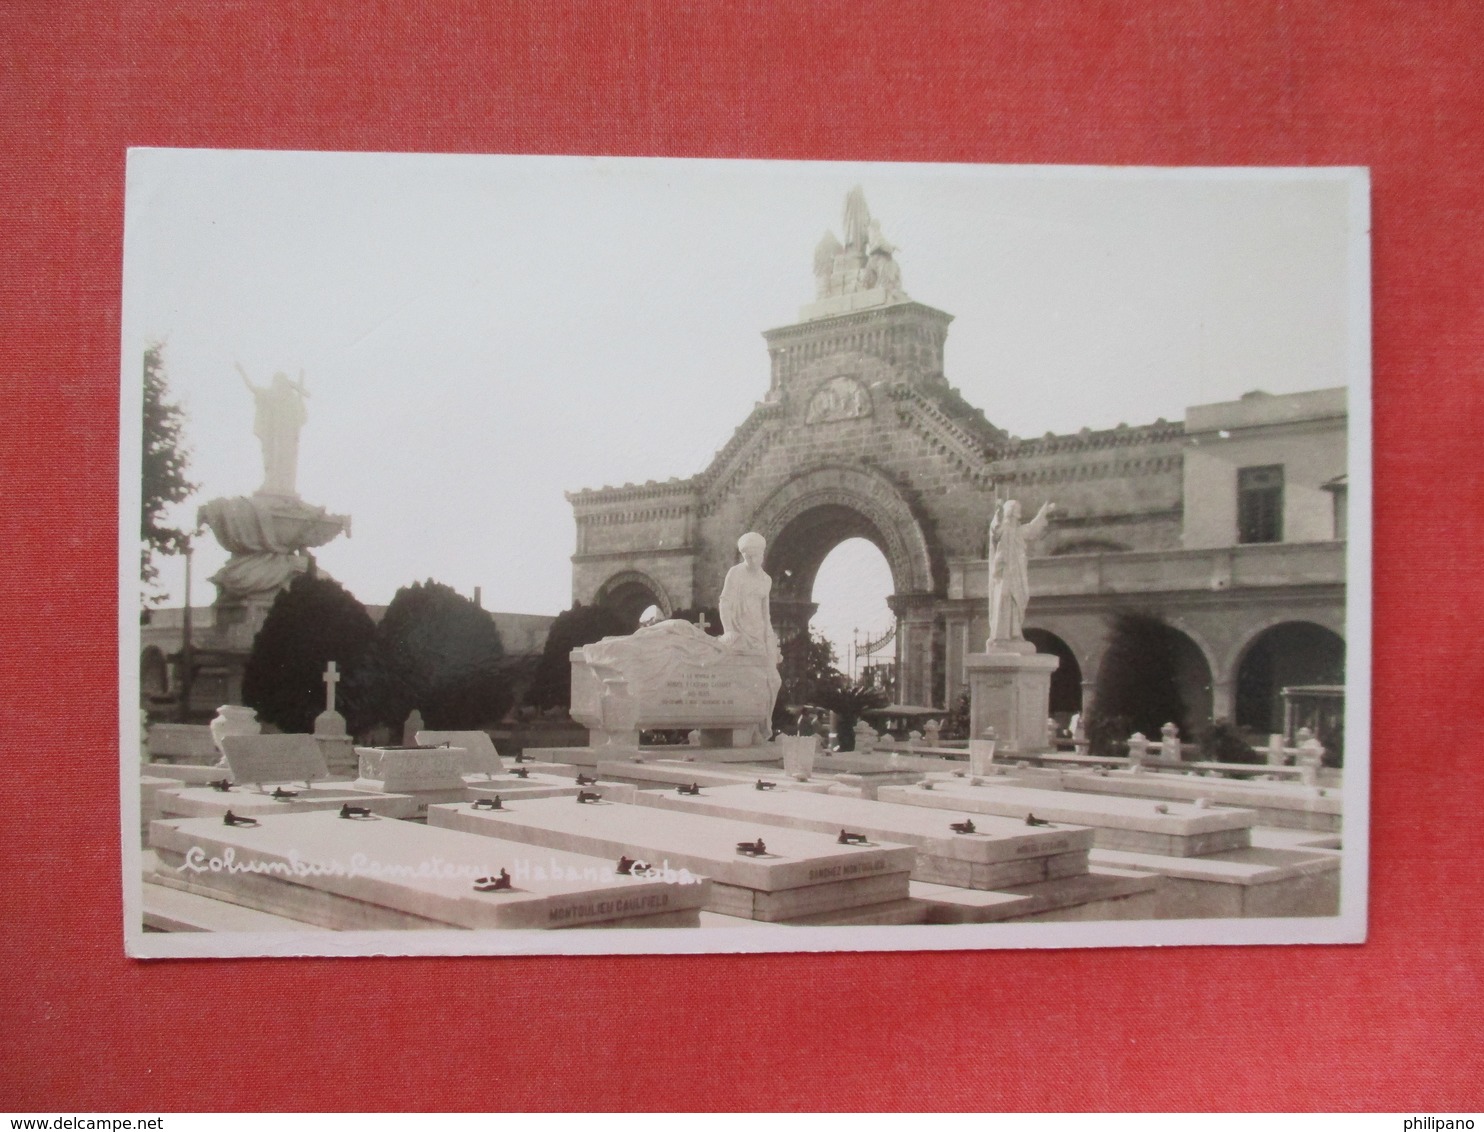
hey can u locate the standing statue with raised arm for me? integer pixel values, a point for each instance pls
(278, 416)
(746, 617)
(1009, 580)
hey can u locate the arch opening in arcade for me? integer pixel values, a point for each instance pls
(1066, 681)
(1293, 655)
(1150, 675)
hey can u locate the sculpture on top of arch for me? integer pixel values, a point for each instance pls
(866, 261)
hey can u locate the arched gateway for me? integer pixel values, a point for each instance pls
(861, 435)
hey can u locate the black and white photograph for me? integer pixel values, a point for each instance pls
(740, 556)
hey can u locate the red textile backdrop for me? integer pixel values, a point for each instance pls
(1394, 1024)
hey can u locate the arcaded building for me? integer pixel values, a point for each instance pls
(1225, 530)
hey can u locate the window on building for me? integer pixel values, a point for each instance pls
(1260, 504)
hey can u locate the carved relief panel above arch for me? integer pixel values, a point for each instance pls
(838, 399)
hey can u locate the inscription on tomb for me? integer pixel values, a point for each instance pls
(599, 909)
(698, 689)
(850, 869)
(1040, 848)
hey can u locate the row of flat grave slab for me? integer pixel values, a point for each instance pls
(185, 773)
(150, 789)
(1290, 805)
(384, 874)
(795, 874)
(592, 756)
(1287, 805)
(209, 802)
(995, 853)
(661, 775)
(1176, 829)
(1252, 882)
(1238, 880)
(1101, 893)
(171, 909)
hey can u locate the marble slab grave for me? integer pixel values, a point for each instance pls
(799, 874)
(659, 775)
(999, 853)
(535, 784)
(247, 801)
(274, 759)
(1175, 829)
(1245, 883)
(150, 789)
(591, 756)
(479, 755)
(1287, 804)
(184, 773)
(382, 874)
(1101, 893)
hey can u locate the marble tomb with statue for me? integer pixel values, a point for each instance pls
(676, 675)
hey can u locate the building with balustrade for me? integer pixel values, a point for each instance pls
(1220, 537)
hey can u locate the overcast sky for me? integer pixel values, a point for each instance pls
(481, 334)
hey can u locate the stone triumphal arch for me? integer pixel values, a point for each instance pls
(860, 434)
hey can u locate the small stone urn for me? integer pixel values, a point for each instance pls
(233, 719)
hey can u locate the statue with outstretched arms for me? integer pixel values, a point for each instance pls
(1009, 579)
(278, 416)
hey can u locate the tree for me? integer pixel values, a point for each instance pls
(581, 625)
(1137, 687)
(848, 702)
(314, 621)
(165, 461)
(438, 652)
(809, 674)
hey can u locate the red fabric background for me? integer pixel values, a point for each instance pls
(1394, 1024)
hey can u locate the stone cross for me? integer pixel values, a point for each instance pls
(703, 623)
(331, 678)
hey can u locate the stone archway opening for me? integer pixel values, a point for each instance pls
(1150, 675)
(851, 611)
(634, 600)
(797, 552)
(832, 575)
(1066, 681)
(1290, 654)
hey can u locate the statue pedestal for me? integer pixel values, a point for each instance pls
(1010, 690)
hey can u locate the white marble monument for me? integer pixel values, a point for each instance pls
(270, 532)
(1009, 682)
(675, 675)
